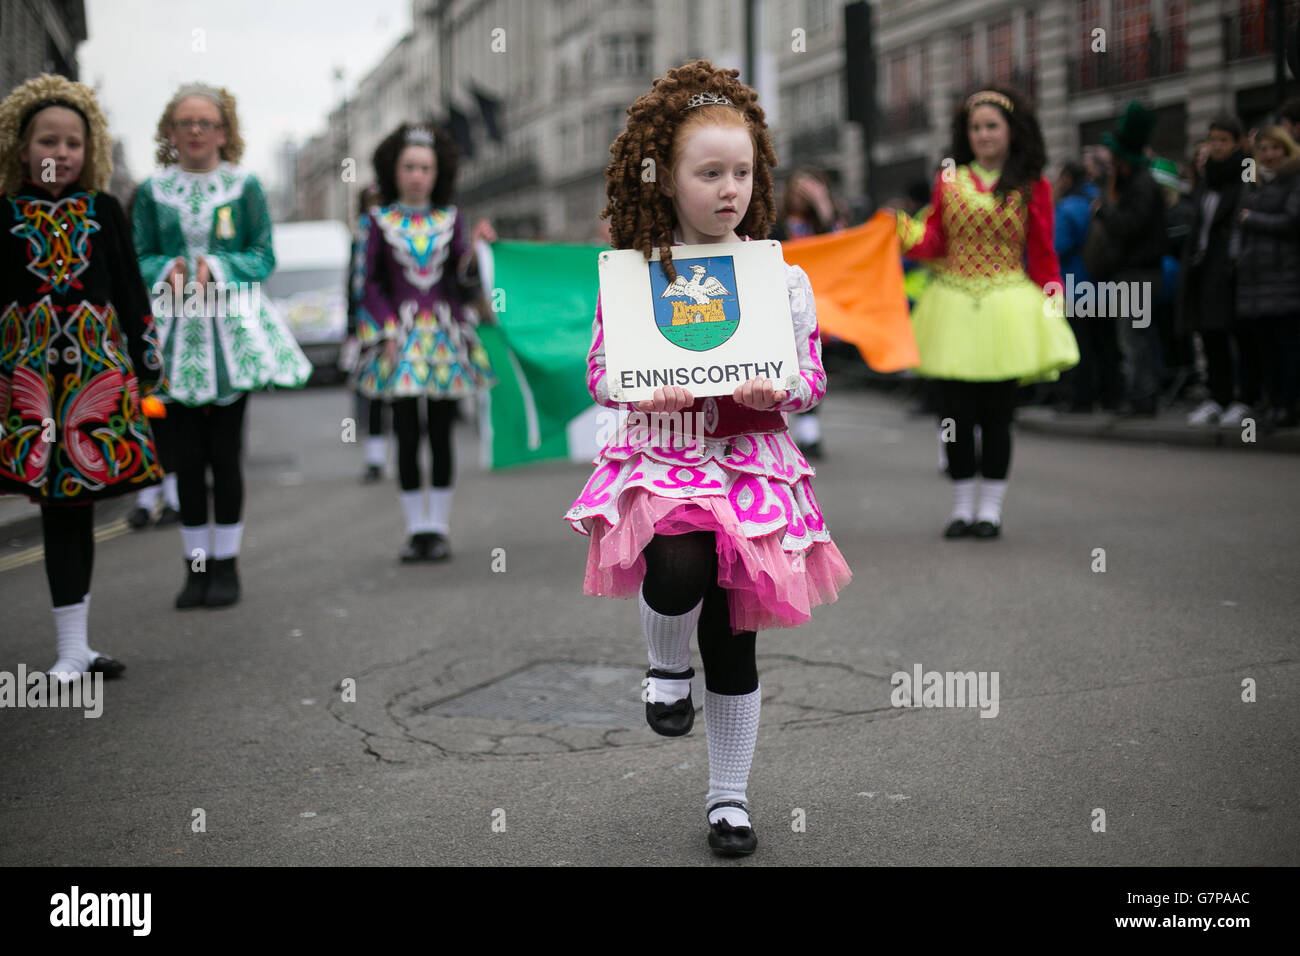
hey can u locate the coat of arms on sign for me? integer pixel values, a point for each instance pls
(699, 310)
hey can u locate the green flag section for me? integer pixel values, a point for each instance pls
(544, 295)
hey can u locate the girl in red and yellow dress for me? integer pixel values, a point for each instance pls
(984, 325)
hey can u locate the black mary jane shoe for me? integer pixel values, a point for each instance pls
(110, 667)
(372, 474)
(986, 529)
(168, 516)
(195, 591)
(417, 548)
(138, 518)
(675, 719)
(437, 548)
(726, 840)
(957, 528)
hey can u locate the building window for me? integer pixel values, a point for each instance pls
(1001, 63)
(817, 14)
(965, 61)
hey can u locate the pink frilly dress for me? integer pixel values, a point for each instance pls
(740, 476)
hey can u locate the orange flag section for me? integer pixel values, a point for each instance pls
(857, 278)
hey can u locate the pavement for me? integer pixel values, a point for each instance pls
(1140, 613)
(1169, 427)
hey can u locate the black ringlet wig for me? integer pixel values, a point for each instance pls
(1026, 153)
(385, 163)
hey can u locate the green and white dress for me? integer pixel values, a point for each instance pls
(230, 339)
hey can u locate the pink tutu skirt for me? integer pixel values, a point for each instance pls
(776, 560)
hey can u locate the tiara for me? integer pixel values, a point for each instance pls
(989, 96)
(419, 136)
(707, 99)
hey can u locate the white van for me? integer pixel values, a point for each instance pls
(309, 286)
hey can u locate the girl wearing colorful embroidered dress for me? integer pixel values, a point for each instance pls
(419, 340)
(203, 234)
(726, 534)
(77, 346)
(983, 325)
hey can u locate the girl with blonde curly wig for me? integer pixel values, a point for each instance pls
(77, 345)
(203, 233)
(740, 543)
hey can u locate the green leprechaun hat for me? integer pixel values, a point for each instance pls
(1132, 134)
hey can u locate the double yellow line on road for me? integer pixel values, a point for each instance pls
(11, 562)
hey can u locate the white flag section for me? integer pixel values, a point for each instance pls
(724, 320)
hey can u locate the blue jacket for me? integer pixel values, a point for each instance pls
(1072, 218)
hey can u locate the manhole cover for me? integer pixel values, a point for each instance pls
(555, 693)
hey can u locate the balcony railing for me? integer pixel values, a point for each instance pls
(1163, 54)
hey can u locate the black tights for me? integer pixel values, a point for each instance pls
(406, 424)
(209, 436)
(991, 405)
(69, 532)
(682, 569)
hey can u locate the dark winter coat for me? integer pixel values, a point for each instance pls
(1268, 265)
(1136, 225)
(1208, 281)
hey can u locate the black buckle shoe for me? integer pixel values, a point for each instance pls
(986, 529)
(196, 588)
(417, 548)
(437, 548)
(138, 518)
(372, 474)
(726, 840)
(957, 528)
(168, 516)
(675, 719)
(110, 667)
(223, 585)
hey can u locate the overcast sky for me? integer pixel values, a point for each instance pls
(276, 56)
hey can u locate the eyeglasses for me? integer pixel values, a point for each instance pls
(203, 126)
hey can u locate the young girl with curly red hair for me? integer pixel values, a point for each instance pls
(742, 544)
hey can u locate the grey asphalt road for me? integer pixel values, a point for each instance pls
(496, 718)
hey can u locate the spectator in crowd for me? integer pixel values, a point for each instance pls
(1207, 284)
(808, 209)
(1268, 268)
(1096, 378)
(1178, 357)
(1132, 212)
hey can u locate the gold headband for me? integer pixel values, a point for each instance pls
(989, 96)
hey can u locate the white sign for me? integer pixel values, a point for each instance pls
(725, 320)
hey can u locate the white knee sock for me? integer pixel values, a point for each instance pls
(963, 503)
(376, 450)
(147, 498)
(731, 725)
(991, 493)
(807, 428)
(74, 652)
(668, 645)
(171, 498)
(417, 519)
(226, 539)
(440, 510)
(196, 539)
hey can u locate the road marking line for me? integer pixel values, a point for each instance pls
(31, 555)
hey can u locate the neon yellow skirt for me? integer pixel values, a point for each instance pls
(1007, 331)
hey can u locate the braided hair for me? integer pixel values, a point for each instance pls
(641, 216)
